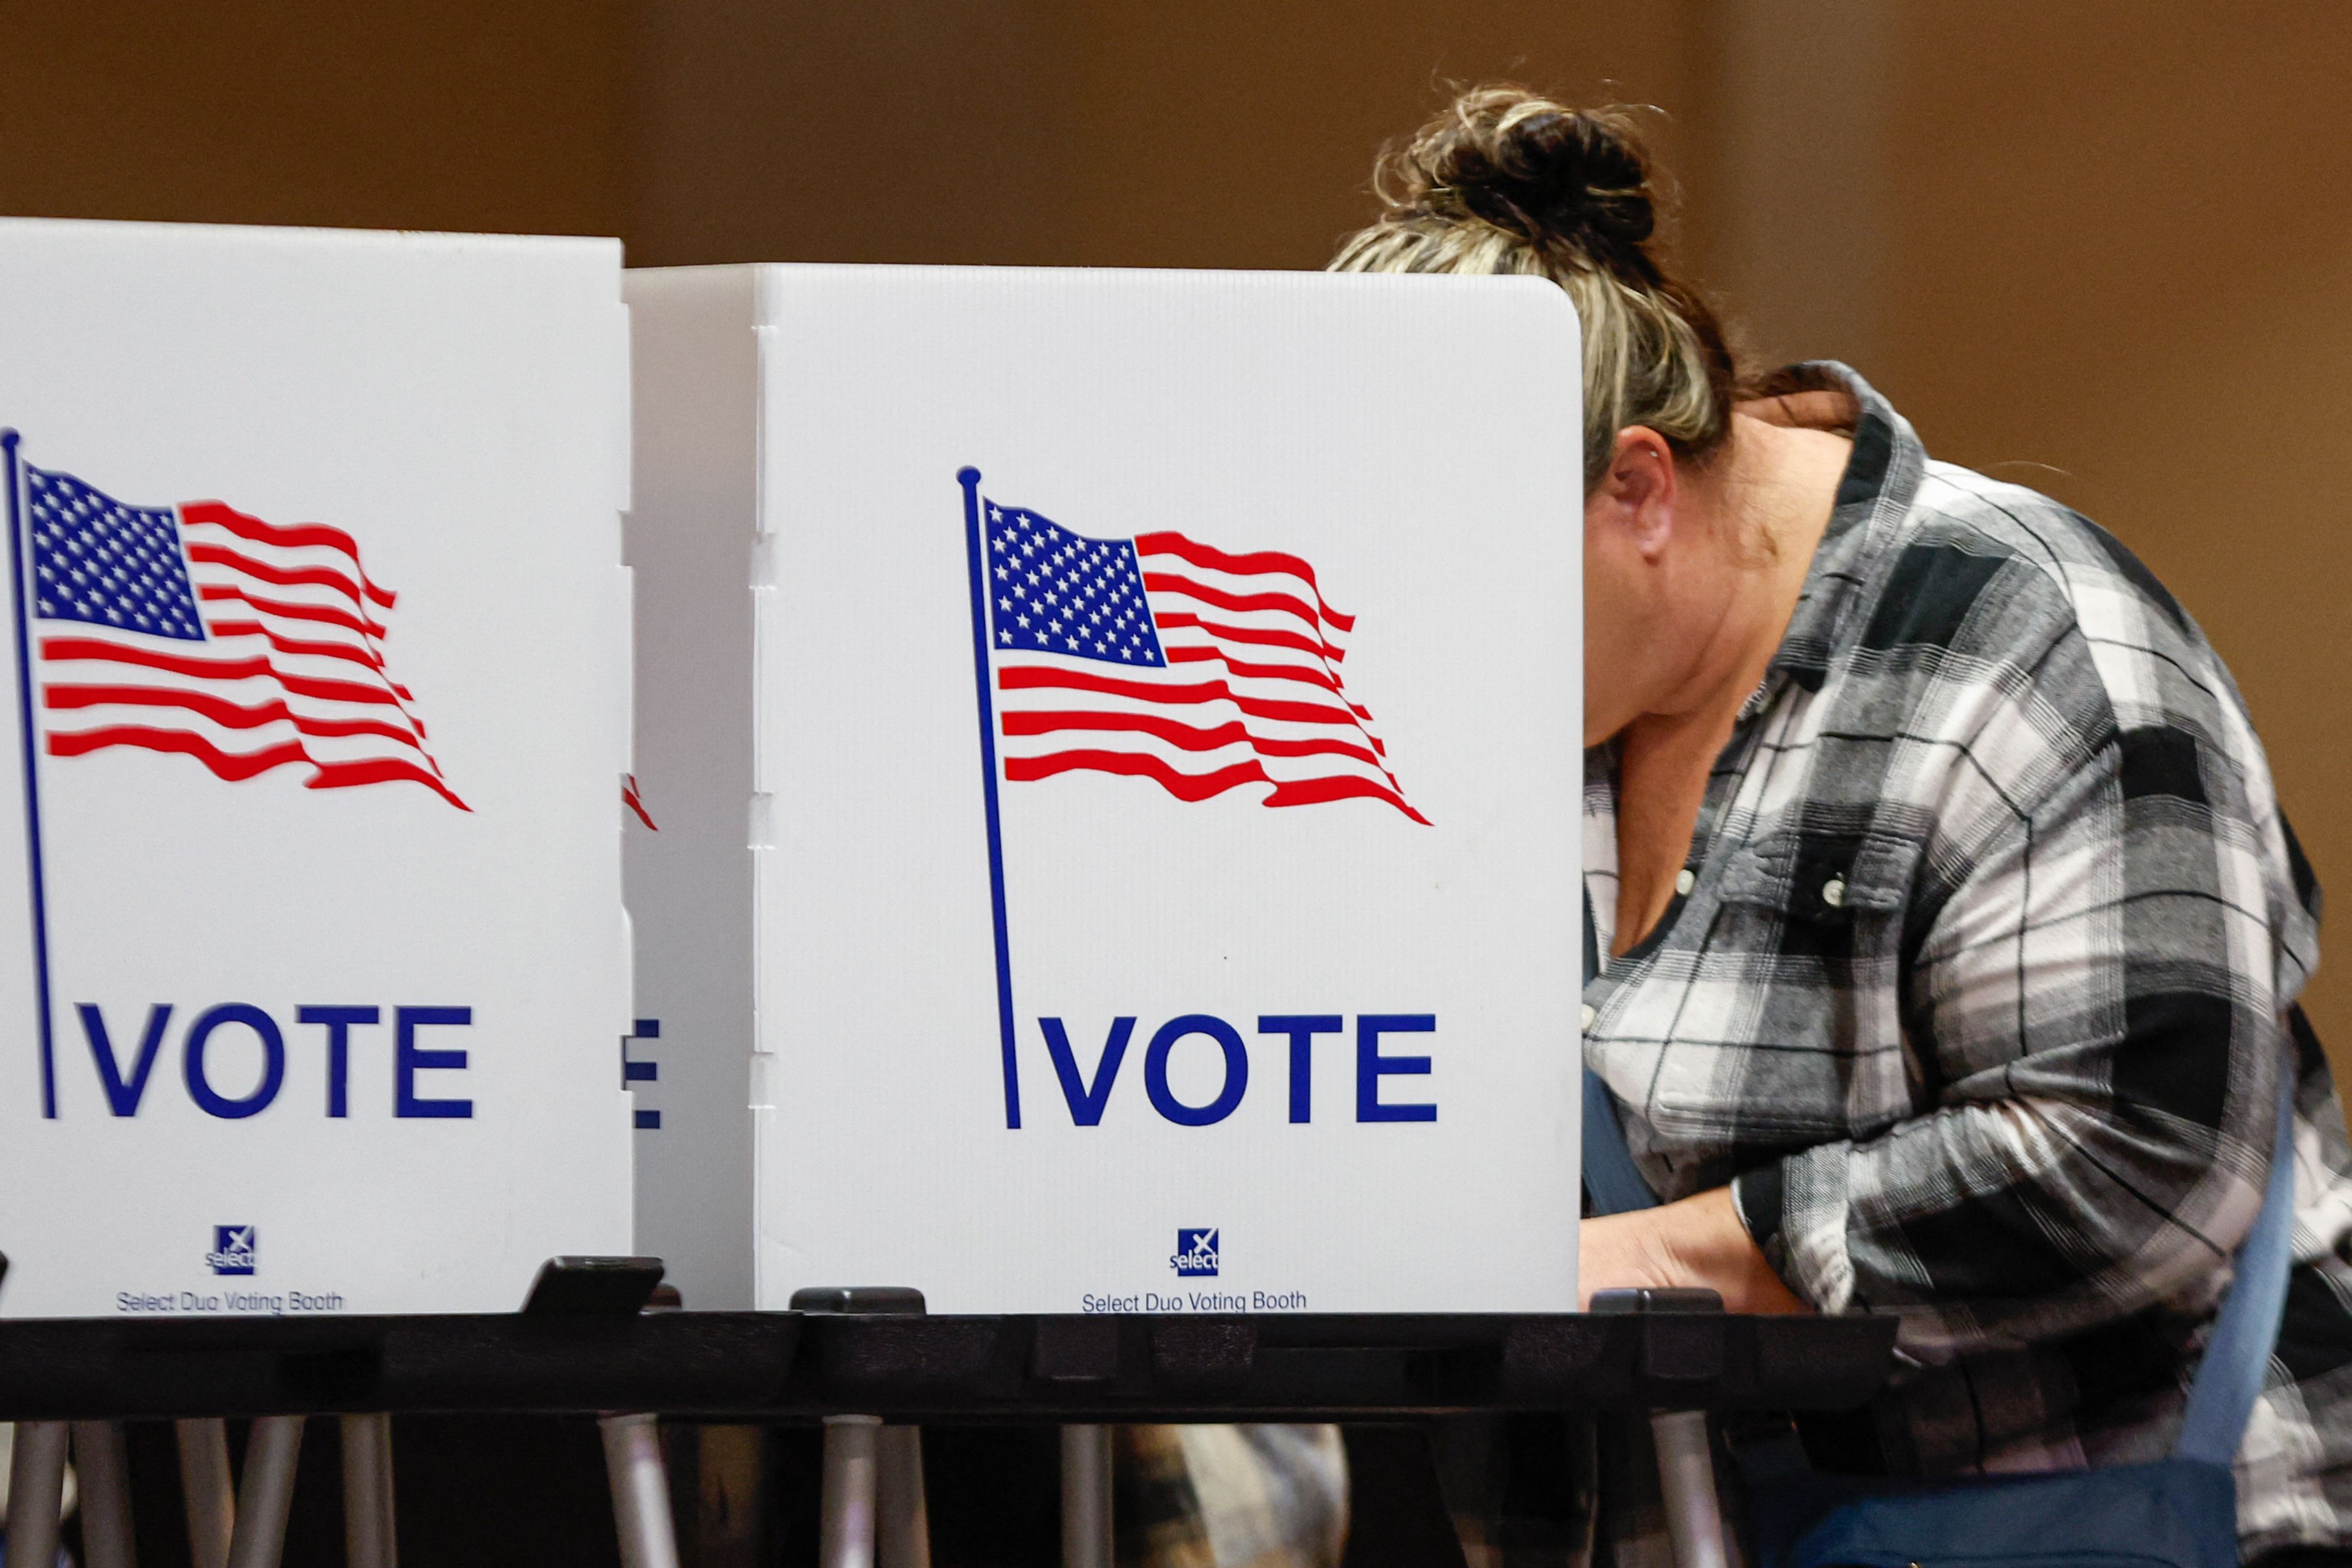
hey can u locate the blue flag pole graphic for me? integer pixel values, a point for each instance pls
(976, 546)
(31, 740)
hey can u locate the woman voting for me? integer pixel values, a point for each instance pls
(1949, 931)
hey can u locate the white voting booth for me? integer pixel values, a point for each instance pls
(1109, 746)
(316, 692)
(1102, 827)
(1101, 830)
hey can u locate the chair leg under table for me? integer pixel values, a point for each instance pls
(1085, 1497)
(370, 1536)
(640, 1478)
(846, 1531)
(36, 1492)
(1687, 1480)
(103, 1461)
(258, 1539)
(206, 1490)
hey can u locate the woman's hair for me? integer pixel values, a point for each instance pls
(1507, 181)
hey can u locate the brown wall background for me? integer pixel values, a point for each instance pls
(2097, 246)
(2123, 275)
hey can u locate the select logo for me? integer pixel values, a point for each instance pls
(1196, 1253)
(233, 1249)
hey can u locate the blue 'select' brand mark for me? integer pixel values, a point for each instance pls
(1196, 1253)
(233, 1249)
(238, 1028)
(1089, 1098)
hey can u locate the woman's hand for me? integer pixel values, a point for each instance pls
(1698, 1241)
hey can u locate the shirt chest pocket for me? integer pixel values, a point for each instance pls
(1784, 1023)
(1820, 882)
(1806, 950)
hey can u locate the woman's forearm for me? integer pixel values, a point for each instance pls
(1698, 1241)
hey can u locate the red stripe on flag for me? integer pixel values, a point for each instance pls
(1301, 673)
(225, 592)
(1033, 677)
(68, 649)
(1264, 635)
(1141, 764)
(1287, 603)
(293, 536)
(236, 767)
(355, 653)
(1191, 737)
(1254, 564)
(378, 769)
(277, 576)
(227, 714)
(1339, 786)
(629, 798)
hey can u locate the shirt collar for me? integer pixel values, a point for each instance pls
(1880, 478)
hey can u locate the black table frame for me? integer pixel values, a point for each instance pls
(795, 1366)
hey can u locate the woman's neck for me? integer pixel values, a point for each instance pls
(1770, 495)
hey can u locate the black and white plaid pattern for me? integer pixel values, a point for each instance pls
(1230, 1496)
(1975, 998)
(1979, 986)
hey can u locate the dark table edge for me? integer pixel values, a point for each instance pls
(786, 1366)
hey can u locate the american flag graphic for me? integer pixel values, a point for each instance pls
(199, 630)
(1165, 658)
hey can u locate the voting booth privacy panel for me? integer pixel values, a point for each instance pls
(312, 955)
(1150, 704)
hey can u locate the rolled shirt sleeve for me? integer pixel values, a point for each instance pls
(2091, 1011)
(1974, 995)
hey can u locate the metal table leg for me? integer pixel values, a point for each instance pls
(640, 1478)
(856, 1515)
(258, 1538)
(205, 1488)
(1686, 1479)
(370, 1536)
(103, 1464)
(36, 1491)
(905, 1531)
(845, 1537)
(1085, 1497)
(1686, 1456)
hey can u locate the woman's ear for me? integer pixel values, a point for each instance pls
(1638, 493)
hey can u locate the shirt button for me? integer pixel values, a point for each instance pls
(1684, 880)
(1833, 892)
(1588, 1014)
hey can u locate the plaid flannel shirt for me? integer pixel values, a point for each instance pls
(1974, 993)
(1985, 966)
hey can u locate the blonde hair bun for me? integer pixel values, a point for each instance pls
(1505, 180)
(1576, 178)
